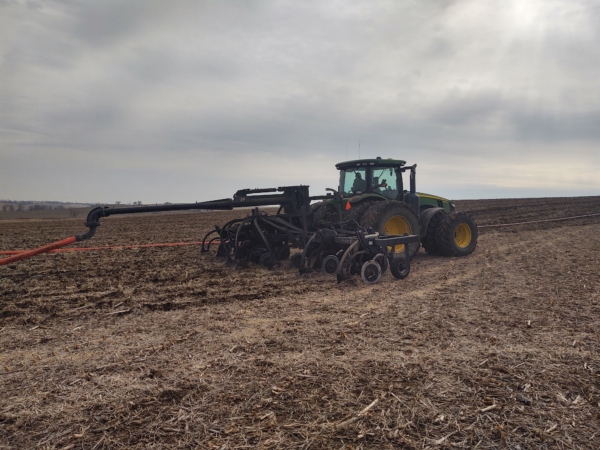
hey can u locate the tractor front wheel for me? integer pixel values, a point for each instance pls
(456, 235)
(393, 218)
(428, 241)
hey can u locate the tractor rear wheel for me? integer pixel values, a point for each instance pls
(456, 235)
(355, 214)
(393, 217)
(324, 213)
(428, 240)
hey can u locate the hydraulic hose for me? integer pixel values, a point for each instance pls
(241, 199)
(47, 248)
(93, 222)
(39, 250)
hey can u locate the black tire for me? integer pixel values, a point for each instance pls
(255, 254)
(355, 214)
(324, 213)
(379, 215)
(330, 264)
(456, 235)
(267, 260)
(428, 241)
(370, 272)
(399, 268)
(283, 253)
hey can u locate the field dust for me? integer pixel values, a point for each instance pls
(169, 348)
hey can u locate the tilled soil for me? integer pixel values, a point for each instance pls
(169, 348)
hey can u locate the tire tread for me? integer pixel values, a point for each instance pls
(428, 241)
(379, 209)
(356, 213)
(444, 236)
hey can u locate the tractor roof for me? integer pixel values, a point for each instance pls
(370, 162)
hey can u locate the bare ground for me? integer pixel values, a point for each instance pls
(168, 348)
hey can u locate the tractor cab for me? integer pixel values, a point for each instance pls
(381, 179)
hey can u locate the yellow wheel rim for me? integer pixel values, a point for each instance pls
(462, 235)
(397, 225)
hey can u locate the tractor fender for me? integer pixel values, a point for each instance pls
(426, 216)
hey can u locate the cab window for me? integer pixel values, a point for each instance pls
(353, 181)
(385, 182)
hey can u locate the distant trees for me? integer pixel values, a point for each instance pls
(37, 207)
(34, 205)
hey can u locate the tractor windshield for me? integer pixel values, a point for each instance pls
(353, 181)
(384, 182)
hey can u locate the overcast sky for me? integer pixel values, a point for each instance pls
(182, 101)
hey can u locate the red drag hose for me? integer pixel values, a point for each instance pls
(39, 250)
(109, 247)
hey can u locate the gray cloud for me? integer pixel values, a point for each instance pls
(164, 91)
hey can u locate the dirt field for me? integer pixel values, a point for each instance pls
(168, 348)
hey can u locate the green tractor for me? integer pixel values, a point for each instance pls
(372, 193)
(336, 234)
